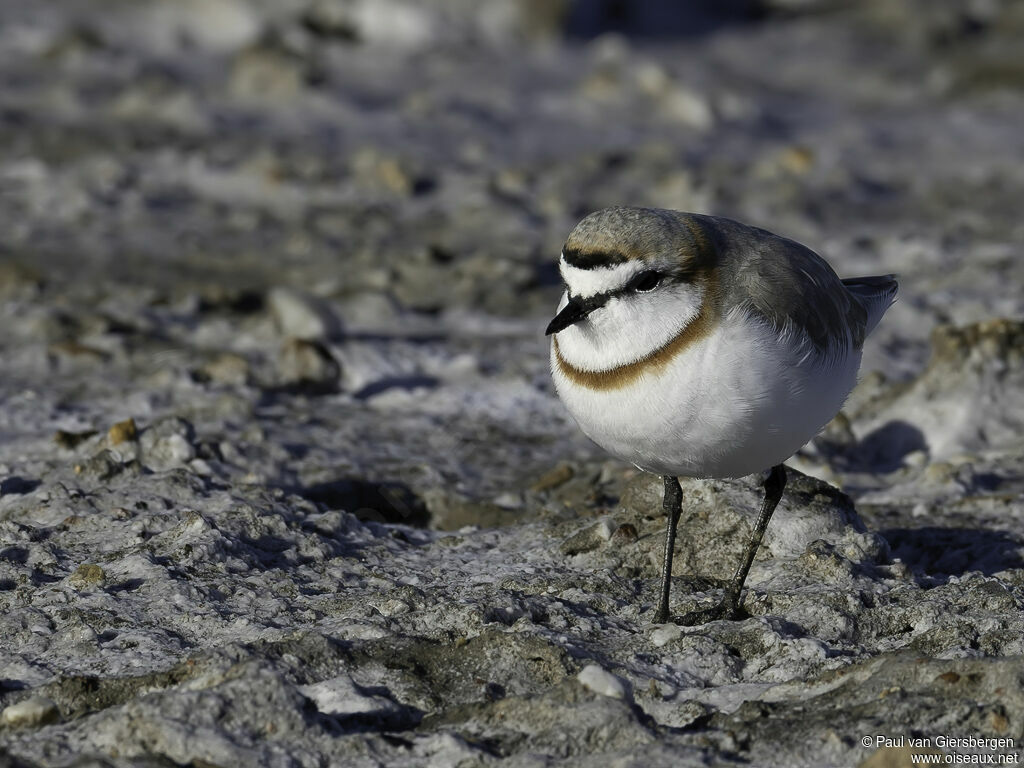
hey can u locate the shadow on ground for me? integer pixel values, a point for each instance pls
(935, 551)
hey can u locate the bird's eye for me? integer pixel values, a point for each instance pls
(647, 281)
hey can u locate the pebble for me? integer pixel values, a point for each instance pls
(665, 634)
(300, 316)
(32, 712)
(559, 475)
(307, 365)
(86, 576)
(71, 440)
(393, 607)
(602, 682)
(588, 539)
(122, 432)
(340, 696)
(101, 466)
(227, 368)
(168, 444)
(625, 534)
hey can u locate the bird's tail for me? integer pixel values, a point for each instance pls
(876, 294)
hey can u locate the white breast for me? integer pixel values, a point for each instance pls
(738, 401)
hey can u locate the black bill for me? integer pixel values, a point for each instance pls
(577, 309)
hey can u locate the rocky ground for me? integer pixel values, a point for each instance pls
(283, 480)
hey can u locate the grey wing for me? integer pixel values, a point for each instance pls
(795, 289)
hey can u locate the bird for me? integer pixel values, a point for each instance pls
(697, 346)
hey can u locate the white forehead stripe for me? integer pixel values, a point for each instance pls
(590, 282)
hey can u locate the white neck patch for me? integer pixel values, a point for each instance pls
(630, 327)
(585, 283)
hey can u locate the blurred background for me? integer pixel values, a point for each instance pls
(209, 197)
(439, 151)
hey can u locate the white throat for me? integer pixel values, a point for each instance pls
(630, 327)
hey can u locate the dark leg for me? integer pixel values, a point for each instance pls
(673, 503)
(729, 608)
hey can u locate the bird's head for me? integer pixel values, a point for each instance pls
(634, 278)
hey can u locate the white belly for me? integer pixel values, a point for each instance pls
(738, 401)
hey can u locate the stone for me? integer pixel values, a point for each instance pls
(168, 443)
(30, 713)
(340, 696)
(101, 466)
(588, 539)
(601, 682)
(308, 366)
(228, 369)
(122, 431)
(557, 476)
(261, 73)
(87, 576)
(71, 440)
(302, 316)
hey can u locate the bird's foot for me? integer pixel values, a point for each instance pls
(726, 609)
